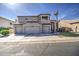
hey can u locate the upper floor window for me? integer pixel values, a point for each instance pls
(26, 19)
(10, 23)
(45, 17)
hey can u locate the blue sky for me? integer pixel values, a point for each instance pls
(66, 11)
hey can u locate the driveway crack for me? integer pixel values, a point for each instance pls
(44, 50)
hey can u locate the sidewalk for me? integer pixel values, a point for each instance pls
(40, 39)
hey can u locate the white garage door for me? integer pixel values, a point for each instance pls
(18, 29)
(32, 29)
(46, 29)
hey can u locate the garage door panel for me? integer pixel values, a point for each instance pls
(32, 29)
(19, 29)
(46, 29)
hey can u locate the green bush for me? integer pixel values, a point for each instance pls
(4, 32)
(69, 34)
(2, 28)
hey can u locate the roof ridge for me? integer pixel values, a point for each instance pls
(5, 18)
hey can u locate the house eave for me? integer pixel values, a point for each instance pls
(75, 23)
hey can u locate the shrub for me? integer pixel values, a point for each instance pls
(61, 29)
(70, 34)
(4, 32)
(2, 28)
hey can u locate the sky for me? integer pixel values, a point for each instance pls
(67, 11)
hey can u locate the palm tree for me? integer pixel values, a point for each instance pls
(56, 15)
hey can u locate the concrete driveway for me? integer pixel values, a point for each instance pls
(40, 46)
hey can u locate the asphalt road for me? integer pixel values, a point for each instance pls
(39, 49)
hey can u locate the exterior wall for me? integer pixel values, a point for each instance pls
(32, 28)
(26, 19)
(44, 20)
(40, 26)
(66, 23)
(5, 23)
(75, 27)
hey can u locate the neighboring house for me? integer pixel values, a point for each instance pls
(35, 24)
(66, 23)
(73, 24)
(6, 23)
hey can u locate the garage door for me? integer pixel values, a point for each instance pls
(18, 29)
(46, 29)
(32, 29)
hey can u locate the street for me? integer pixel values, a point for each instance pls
(39, 49)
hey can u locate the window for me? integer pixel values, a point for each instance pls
(45, 17)
(10, 23)
(26, 19)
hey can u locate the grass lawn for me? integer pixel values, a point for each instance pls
(69, 34)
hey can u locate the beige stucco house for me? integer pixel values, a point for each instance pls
(73, 24)
(35, 24)
(6, 22)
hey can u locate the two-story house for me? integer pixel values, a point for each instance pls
(35, 24)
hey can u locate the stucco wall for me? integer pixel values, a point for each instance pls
(32, 28)
(74, 27)
(44, 20)
(26, 18)
(42, 24)
(66, 23)
(5, 23)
